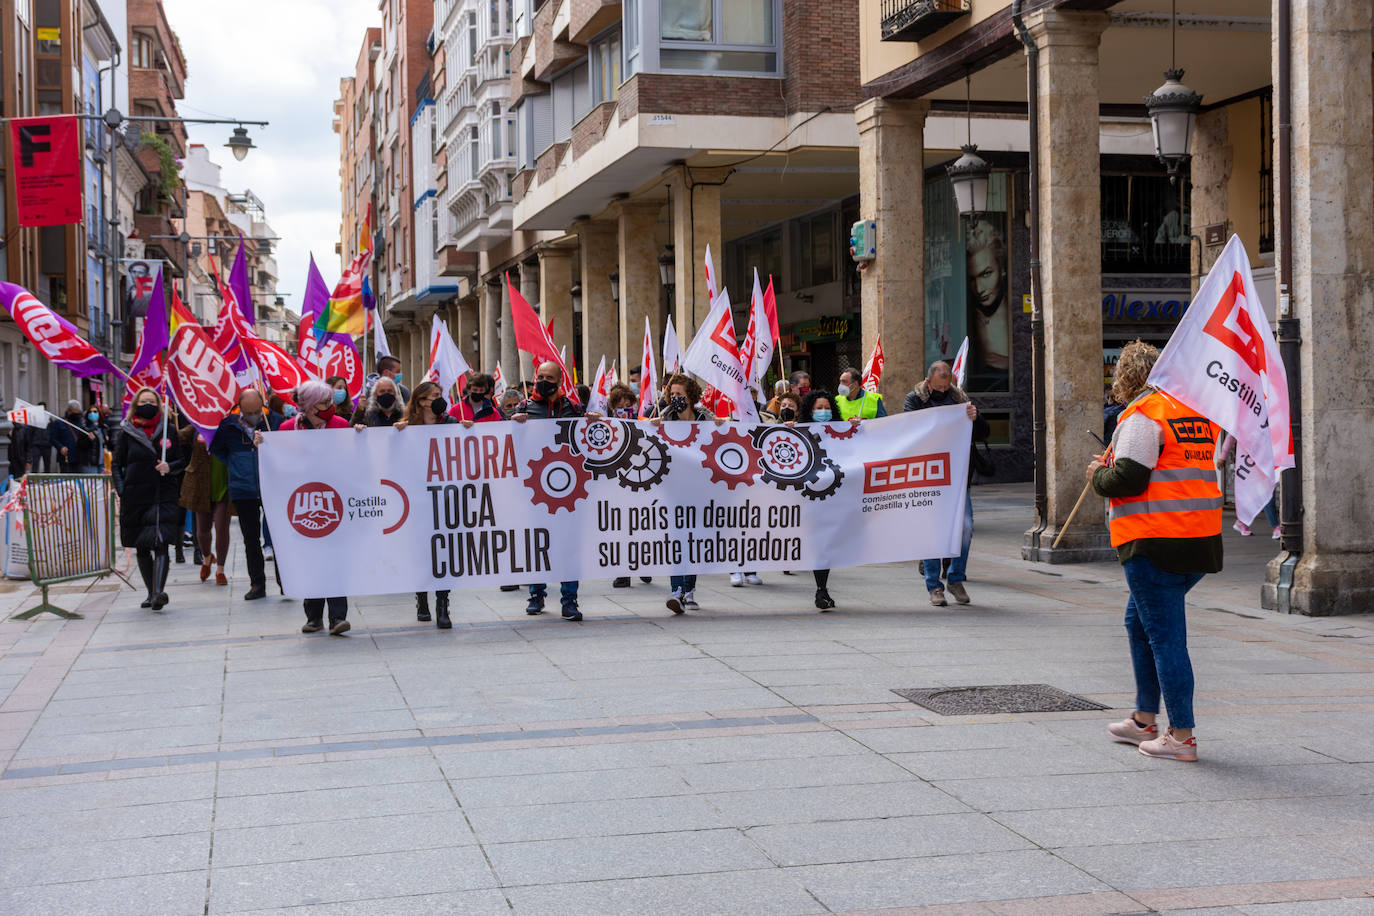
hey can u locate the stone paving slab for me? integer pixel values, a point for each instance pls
(750, 758)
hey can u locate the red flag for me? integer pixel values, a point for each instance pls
(873, 370)
(770, 307)
(199, 378)
(47, 170)
(278, 369)
(340, 357)
(530, 334)
(648, 375)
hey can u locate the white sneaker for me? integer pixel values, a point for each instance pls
(737, 580)
(1243, 528)
(753, 579)
(1277, 533)
(675, 601)
(689, 601)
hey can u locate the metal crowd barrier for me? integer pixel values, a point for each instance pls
(69, 529)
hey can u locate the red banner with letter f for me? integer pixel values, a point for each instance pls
(46, 161)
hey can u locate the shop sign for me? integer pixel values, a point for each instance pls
(1144, 305)
(826, 329)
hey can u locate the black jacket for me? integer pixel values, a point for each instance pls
(919, 399)
(233, 445)
(149, 515)
(560, 408)
(374, 417)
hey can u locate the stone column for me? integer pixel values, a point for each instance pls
(1333, 300)
(639, 280)
(466, 314)
(489, 346)
(529, 288)
(1213, 159)
(555, 294)
(1071, 275)
(696, 224)
(892, 192)
(600, 317)
(510, 356)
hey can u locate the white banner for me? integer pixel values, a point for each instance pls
(438, 507)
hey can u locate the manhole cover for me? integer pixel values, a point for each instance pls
(998, 698)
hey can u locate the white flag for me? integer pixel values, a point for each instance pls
(714, 357)
(28, 414)
(757, 354)
(613, 378)
(1223, 362)
(446, 363)
(710, 276)
(672, 350)
(601, 386)
(960, 367)
(380, 348)
(498, 383)
(648, 376)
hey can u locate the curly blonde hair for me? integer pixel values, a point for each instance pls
(1132, 369)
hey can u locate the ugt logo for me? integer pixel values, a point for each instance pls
(1230, 323)
(315, 510)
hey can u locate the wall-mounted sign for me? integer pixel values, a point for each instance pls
(47, 170)
(1143, 305)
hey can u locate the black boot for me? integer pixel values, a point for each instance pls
(823, 599)
(441, 611)
(422, 605)
(181, 553)
(149, 574)
(160, 573)
(197, 557)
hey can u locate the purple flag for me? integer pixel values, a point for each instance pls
(54, 336)
(157, 335)
(238, 282)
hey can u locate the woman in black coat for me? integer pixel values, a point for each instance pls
(149, 518)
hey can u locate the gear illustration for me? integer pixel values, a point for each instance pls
(845, 430)
(646, 465)
(791, 455)
(827, 481)
(606, 445)
(692, 430)
(557, 479)
(731, 458)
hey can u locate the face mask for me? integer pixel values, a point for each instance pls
(397, 377)
(288, 411)
(803, 389)
(677, 404)
(939, 397)
(545, 388)
(145, 411)
(92, 416)
(788, 414)
(438, 407)
(842, 391)
(477, 397)
(387, 400)
(821, 416)
(339, 395)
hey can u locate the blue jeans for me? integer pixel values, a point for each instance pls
(683, 583)
(957, 565)
(1271, 513)
(567, 592)
(1158, 631)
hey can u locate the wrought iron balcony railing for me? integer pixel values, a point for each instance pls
(912, 20)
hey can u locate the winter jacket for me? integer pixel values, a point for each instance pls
(149, 516)
(919, 399)
(539, 409)
(233, 444)
(486, 412)
(376, 416)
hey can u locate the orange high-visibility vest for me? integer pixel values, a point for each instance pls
(1182, 499)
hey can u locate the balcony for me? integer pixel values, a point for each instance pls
(912, 20)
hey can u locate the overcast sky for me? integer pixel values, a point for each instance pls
(278, 61)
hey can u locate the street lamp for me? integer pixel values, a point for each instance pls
(969, 173)
(665, 267)
(240, 143)
(576, 293)
(615, 287)
(1172, 107)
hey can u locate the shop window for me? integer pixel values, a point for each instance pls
(1145, 224)
(1001, 424)
(815, 250)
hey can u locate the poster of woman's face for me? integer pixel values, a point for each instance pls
(989, 311)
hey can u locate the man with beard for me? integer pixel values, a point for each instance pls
(937, 389)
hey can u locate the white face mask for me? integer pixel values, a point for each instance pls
(842, 391)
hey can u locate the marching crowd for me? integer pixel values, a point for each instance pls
(178, 494)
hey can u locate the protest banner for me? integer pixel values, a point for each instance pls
(441, 507)
(47, 170)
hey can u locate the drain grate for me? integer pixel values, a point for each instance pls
(997, 698)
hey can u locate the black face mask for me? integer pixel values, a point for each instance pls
(145, 411)
(387, 400)
(939, 397)
(438, 407)
(787, 414)
(545, 388)
(477, 397)
(677, 404)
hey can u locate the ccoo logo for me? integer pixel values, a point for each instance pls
(315, 510)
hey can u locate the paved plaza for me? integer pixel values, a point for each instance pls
(750, 758)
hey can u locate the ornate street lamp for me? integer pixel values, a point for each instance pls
(1172, 108)
(240, 143)
(615, 287)
(969, 173)
(665, 267)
